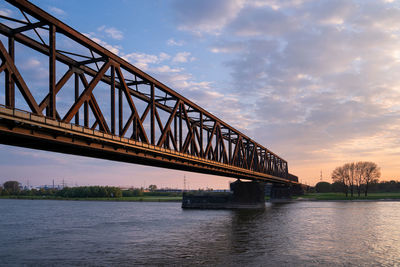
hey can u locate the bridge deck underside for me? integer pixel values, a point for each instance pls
(27, 130)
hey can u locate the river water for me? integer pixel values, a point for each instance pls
(46, 232)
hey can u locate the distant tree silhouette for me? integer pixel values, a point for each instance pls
(323, 187)
(337, 187)
(360, 174)
(350, 171)
(339, 176)
(152, 187)
(12, 187)
(371, 173)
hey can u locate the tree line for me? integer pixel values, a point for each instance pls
(375, 187)
(357, 177)
(13, 188)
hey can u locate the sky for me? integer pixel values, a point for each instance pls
(316, 82)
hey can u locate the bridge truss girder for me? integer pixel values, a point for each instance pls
(167, 120)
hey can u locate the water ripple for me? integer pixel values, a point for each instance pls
(66, 233)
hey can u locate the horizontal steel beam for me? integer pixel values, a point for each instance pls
(28, 27)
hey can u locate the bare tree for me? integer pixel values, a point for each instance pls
(359, 175)
(339, 175)
(349, 169)
(371, 173)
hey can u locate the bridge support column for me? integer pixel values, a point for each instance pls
(297, 190)
(243, 195)
(280, 193)
(248, 194)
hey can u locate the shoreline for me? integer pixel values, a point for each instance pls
(179, 199)
(347, 200)
(127, 199)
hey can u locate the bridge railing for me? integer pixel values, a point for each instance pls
(114, 97)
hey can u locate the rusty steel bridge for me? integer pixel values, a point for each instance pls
(94, 103)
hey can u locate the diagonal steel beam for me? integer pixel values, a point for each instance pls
(86, 93)
(209, 145)
(59, 85)
(95, 108)
(98, 114)
(26, 93)
(131, 105)
(167, 127)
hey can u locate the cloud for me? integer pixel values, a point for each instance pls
(32, 63)
(227, 47)
(254, 21)
(172, 42)
(57, 11)
(309, 77)
(177, 78)
(315, 81)
(113, 48)
(166, 68)
(143, 60)
(111, 32)
(5, 12)
(163, 56)
(32, 67)
(182, 57)
(208, 16)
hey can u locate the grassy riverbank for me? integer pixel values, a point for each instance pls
(341, 196)
(126, 199)
(310, 197)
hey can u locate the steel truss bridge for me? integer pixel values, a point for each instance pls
(93, 103)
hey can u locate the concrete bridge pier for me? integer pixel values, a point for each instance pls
(248, 194)
(281, 193)
(243, 195)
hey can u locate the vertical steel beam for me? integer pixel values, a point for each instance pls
(230, 146)
(135, 129)
(10, 86)
(51, 108)
(269, 163)
(86, 113)
(152, 116)
(180, 126)
(208, 138)
(247, 152)
(217, 145)
(76, 96)
(167, 142)
(265, 162)
(286, 170)
(201, 135)
(112, 99)
(120, 111)
(176, 129)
